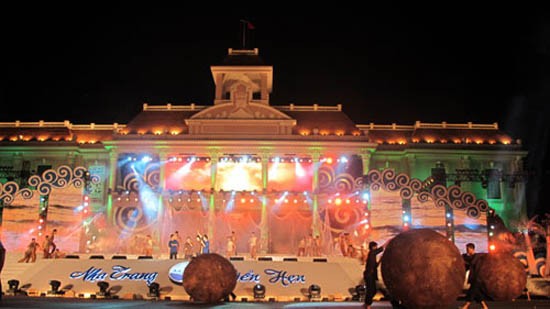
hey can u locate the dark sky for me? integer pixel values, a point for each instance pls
(433, 64)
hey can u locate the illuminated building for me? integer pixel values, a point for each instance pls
(245, 164)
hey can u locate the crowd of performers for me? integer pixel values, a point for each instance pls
(49, 249)
(308, 246)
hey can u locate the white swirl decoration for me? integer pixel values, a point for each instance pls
(10, 190)
(60, 178)
(442, 196)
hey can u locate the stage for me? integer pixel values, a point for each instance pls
(285, 278)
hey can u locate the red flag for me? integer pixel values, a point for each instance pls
(249, 25)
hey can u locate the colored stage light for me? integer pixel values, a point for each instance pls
(492, 247)
(259, 291)
(338, 201)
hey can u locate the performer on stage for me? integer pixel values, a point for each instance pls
(30, 253)
(206, 242)
(253, 245)
(188, 248)
(230, 247)
(148, 250)
(46, 245)
(174, 246)
(234, 239)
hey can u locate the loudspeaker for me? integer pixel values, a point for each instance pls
(42, 168)
(290, 259)
(236, 258)
(145, 257)
(72, 256)
(118, 257)
(265, 258)
(97, 257)
(324, 260)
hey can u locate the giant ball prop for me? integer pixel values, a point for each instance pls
(422, 269)
(502, 276)
(209, 278)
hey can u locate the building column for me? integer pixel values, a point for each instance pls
(71, 159)
(264, 222)
(214, 157)
(113, 162)
(365, 157)
(518, 192)
(315, 158)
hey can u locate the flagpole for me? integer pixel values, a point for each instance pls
(243, 29)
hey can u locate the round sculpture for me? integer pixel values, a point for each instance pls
(422, 269)
(209, 278)
(502, 276)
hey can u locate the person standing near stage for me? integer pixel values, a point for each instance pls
(370, 275)
(2, 260)
(174, 246)
(253, 245)
(30, 253)
(471, 262)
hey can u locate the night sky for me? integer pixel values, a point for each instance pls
(97, 64)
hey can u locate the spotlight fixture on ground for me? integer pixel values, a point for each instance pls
(259, 291)
(360, 292)
(13, 289)
(154, 290)
(55, 284)
(314, 292)
(103, 286)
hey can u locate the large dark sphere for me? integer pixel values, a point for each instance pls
(209, 278)
(423, 269)
(502, 276)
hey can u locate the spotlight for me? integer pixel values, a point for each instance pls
(13, 284)
(259, 291)
(55, 284)
(154, 290)
(14, 288)
(314, 292)
(103, 286)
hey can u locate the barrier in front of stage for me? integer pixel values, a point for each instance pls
(128, 278)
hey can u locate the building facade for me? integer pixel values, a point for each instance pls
(283, 173)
